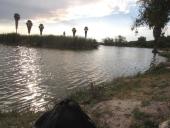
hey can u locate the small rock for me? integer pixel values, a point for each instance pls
(165, 124)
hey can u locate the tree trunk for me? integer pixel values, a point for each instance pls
(16, 26)
(40, 32)
(156, 33)
(85, 34)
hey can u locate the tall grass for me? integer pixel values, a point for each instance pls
(49, 41)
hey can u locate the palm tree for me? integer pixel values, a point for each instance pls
(64, 33)
(41, 27)
(74, 32)
(17, 18)
(29, 26)
(86, 29)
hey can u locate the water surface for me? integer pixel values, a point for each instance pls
(30, 77)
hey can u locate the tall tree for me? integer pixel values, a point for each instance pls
(85, 30)
(17, 18)
(41, 27)
(64, 33)
(74, 32)
(29, 26)
(155, 14)
(121, 39)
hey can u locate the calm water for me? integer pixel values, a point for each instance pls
(30, 76)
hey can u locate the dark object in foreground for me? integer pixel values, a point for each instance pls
(66, 114)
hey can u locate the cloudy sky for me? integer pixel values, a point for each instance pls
(105, 18)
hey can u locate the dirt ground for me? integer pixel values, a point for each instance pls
(120, 113)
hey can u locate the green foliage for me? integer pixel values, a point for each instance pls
(108, 41)
(118, 41)
(49, 41)
(164, 42)
(142, 39)
(165, 54)
(153, 13)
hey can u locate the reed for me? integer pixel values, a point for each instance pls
(48, 41)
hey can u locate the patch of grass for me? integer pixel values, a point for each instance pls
(165, 54)
(139, 115)
(143, 87)
(145, 124)
(18, 120)
(143, 120)
(156, 70)
(145, 103)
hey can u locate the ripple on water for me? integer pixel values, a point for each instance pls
(30, 78)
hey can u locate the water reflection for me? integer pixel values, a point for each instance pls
(153, 61)
(30, 78)
(30, 68)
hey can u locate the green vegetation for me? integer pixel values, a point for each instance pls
(16, 18)
(18, 120)
(155, 14)
(85, 30)
(118, 41)
(164, 42)
(166, 54)
(74, 31)
(49, 41)
(144, 87)
(144, 120)
(41, 27)
(29, 26)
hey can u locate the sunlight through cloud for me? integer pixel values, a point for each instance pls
(90, 10)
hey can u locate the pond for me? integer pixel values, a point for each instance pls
(30, 77)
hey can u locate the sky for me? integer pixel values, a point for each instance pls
(104, 18)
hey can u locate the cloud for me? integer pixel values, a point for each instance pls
(62, 10)
(93, 9)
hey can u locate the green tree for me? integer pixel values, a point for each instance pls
(121, 39)
(64, 33)
(41, 27)
(142, 39)
(155, 14)
(17, 18)
(29, 26)
(109, 41)
(85, 30)
(74, 32)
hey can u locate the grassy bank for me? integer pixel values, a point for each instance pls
(152, 86)
(166, 54)
(148, 86)
(49, 41)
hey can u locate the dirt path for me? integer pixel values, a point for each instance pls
(119, 113)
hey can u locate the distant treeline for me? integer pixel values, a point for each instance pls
(164, 42)
(50, 41)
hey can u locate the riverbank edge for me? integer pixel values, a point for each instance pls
(144, 87)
